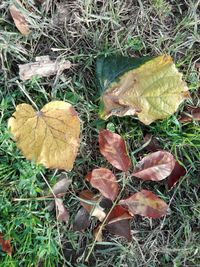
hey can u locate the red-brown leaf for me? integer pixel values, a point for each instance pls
(105, 181)
(5, 244)
(113, 148)
(117, 214)
(152, 144)
(145, 203)
(176, 174)
(94, 209)
(155, 167)
(118, 222)
(194, 115)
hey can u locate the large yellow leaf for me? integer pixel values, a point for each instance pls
(49, 136)
(152, 90)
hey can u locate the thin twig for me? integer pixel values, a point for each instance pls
(58, 230)
(49, 197)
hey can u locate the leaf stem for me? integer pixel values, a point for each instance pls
(26, 94)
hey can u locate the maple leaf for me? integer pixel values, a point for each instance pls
(151, 88)
(105, 181)
(113, 148)
(156, 166)
(50, 136)
(19, 18)
(145, 203)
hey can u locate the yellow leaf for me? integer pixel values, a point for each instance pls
(50, 136)
(151, 91)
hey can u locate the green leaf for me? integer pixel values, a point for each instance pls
(111, 67)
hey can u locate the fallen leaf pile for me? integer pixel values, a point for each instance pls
(149, 88)
(154, 167)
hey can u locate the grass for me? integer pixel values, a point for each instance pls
(80, 32)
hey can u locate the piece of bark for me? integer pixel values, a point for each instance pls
(43, 67)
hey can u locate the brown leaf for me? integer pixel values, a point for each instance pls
(81, 221)
(43, 67)
(5, 244)
(145, 203)
(91, 203)
(113, 148)
(194, 115)
(151, 144)
(19, 18)
(62, 213)
(121, 228)
(105, 181)
(117, 214)
(155, 167)
(176, 174)
(118, 222)
(62, 185)
(98, 235)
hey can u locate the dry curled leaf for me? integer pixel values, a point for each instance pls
(50, 136)
(105, 181)
(98, 235)
(91, 203)
(82, 220)
(151, 88)
(5, 245)
(43, 67)
(193, 115)
(16, 11)
(155, 167)
(150, 143)
(178, 172)
(62, 213)
(113, 148)
(60, 188)
(145, 203)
